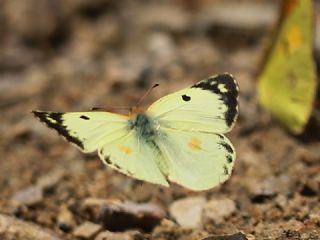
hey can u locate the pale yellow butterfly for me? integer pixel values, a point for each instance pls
(179, 138)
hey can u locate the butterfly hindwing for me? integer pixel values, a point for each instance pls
(87, 130)
(208, 106)
(134, 157)
(197, 161)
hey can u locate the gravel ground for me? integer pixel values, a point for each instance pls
(69, 55)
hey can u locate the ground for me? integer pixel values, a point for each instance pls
(74, 55)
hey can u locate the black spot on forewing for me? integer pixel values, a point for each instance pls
(84, 117)
(227, 147)
(54, 120)
(186, 98)
(226, 87)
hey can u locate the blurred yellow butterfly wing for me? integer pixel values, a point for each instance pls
(287, 83)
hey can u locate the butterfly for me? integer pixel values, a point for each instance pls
(179, 138)
(288, 82)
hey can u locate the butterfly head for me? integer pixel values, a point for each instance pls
(134, 111)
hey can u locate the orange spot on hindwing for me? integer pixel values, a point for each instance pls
(195, 144)
(125, 149)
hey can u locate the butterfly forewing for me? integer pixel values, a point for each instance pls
(88, 130)
(208, 106)
(134, 157)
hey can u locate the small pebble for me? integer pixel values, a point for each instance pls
(12, 228)
(187, 211)
(217, 210)
(130, 235)
(261, 191)
(119, 216)
(29, 196)
(52, 178)
(65, 219)
(87, 230)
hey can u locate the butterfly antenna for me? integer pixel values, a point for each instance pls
(146, 94)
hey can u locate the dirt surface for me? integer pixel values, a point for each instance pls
(69, 55)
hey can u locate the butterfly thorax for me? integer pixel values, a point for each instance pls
(144, 126)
